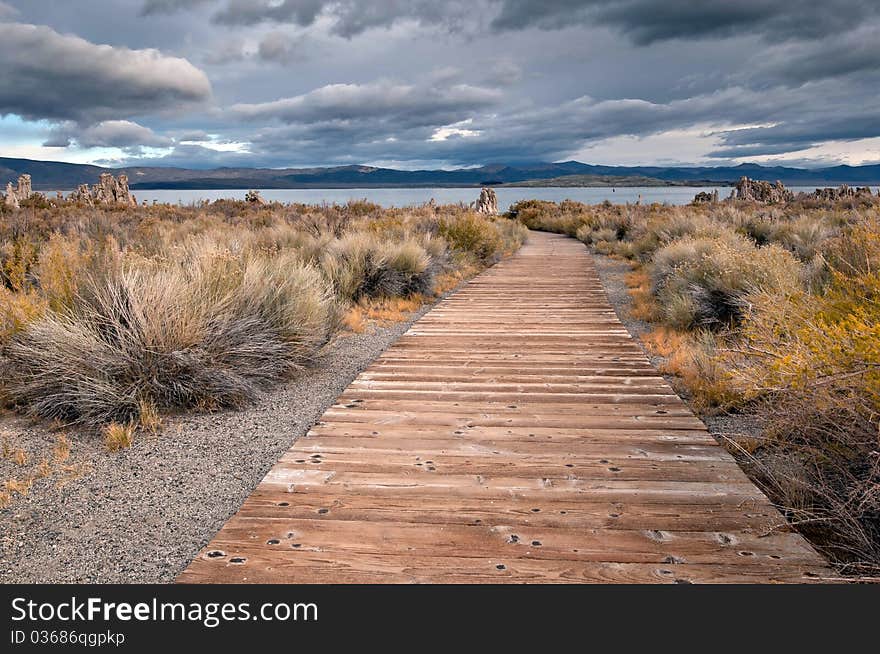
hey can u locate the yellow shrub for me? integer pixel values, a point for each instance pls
(473, 234)
(63, 264)
(17, 311)
(17, 258)
(814, 362)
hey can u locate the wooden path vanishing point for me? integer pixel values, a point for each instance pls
(516, 433)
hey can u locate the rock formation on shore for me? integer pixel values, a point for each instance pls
(704, 197)
(487, 202)
(81, 195)
(112, 190)
(254, 197)
(15, 195)
(842, 192)
(109, 190)
(757, 191)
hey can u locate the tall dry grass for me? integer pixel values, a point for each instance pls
(112, 316)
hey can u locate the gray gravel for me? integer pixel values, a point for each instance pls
(142, 514)
(612, 272)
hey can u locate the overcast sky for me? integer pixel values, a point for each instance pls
(424, 83)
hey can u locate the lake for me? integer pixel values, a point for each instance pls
(404, 197)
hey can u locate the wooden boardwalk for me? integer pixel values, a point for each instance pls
(516, 433)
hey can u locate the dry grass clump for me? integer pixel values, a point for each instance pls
(805, 236)
(381, 311)
(363, 265)
(471, 233)
(699, 373)
(210, 331)
(118, 436)
(638, 284)
(18, 310)
(705, 282)
(513, 234)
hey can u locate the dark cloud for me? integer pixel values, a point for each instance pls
(836, 56)
(47, 75)
(643, 21)
(349, 17)
(194, 136)
(282, 48)
(251, 12)
(107, 134)
(649, 21)
(800, 132)
(152, 7)
(403, 105)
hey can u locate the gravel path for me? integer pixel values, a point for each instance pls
(141, 515)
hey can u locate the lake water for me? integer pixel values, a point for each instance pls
(404, 197)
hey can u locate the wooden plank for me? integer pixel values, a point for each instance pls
(256, 564)
(390, 538)
(515, 434)
(577, 514)
(673, 407)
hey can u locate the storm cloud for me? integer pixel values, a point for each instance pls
(649, 21)
(404, 104)
(348, 17)
(644, 21)
(107, 134)
(50, 75)
(424, 83)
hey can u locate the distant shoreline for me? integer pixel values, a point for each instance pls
(237, 187)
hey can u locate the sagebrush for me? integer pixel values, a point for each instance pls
(110, 316)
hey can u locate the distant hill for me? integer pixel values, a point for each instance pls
(598, 181)
(50, 175)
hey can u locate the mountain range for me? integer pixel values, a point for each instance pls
(51, 175)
